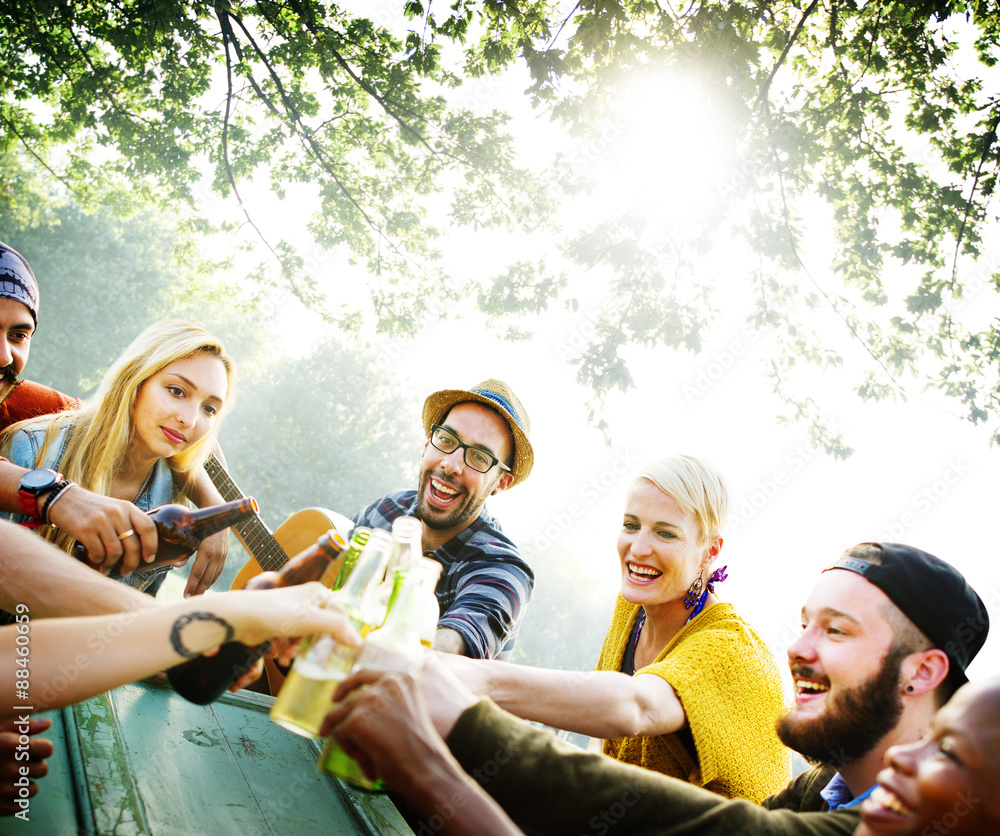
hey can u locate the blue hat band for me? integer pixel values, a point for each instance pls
(502, 401)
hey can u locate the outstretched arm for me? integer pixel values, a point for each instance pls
(549, 786)
(604, 704)
(50, 583)
(152, 640)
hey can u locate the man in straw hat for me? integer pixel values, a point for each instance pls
(477, 445)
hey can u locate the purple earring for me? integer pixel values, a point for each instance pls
(696, 597)
(693, 593)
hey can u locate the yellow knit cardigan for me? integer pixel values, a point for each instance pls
(728, 683)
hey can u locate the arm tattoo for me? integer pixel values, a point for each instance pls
(184, 620)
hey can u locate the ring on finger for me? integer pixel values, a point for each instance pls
(126, 534)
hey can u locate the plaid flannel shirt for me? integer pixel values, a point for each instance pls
(484, 585)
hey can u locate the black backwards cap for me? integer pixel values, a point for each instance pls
(933, 595)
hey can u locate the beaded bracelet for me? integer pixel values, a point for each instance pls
(47, 507)
(184, 620)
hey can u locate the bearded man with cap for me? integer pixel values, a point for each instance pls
(477, 445)
(887, 634)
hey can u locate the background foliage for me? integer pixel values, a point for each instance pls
(880, 109)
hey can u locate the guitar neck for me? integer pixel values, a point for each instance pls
(256, 537)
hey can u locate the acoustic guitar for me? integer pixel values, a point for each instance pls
(269, 552)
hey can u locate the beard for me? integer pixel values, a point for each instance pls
(853, 721)
(462, 514)
(8, 374)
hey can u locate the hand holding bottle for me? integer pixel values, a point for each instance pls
(305, 694)
(286, 615)
(392, 722)
(179, 532)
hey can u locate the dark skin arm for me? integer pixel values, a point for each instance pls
(388, 728)
(38, 750)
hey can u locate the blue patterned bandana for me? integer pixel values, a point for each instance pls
(17, 280)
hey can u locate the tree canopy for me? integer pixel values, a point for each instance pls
(882, 112)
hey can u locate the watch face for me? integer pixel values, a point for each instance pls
(37, 480)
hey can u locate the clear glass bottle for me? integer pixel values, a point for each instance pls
(395, 646)
(429, 572)
(322, 663)
(407, 533)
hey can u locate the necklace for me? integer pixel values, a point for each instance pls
(638, 630)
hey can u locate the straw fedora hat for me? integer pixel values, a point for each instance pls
(499, 397)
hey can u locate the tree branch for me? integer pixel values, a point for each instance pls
(765, 89)
(305, 134)
(27, 147)
(229, 36)
(988, 141)
(826, 297)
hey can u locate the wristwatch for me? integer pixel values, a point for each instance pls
(36, 483)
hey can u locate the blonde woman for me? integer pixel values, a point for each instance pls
(146, 433)
(684, 685)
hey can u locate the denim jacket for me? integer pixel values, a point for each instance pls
(158, 489)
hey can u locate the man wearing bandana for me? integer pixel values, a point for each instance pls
(20, 399)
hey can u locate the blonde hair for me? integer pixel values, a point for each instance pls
(697, 487)
(102, 427)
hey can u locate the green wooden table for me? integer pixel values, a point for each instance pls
(143, 760)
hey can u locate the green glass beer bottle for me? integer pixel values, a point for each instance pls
(358, 539)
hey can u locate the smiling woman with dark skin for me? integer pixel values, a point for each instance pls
(947, 783)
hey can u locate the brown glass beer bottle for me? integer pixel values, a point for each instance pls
(180, 530)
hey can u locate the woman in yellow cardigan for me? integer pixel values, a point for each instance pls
(683, 685)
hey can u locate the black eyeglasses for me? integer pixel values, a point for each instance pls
(475, 457)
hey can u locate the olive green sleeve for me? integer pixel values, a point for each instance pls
(550, 787)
